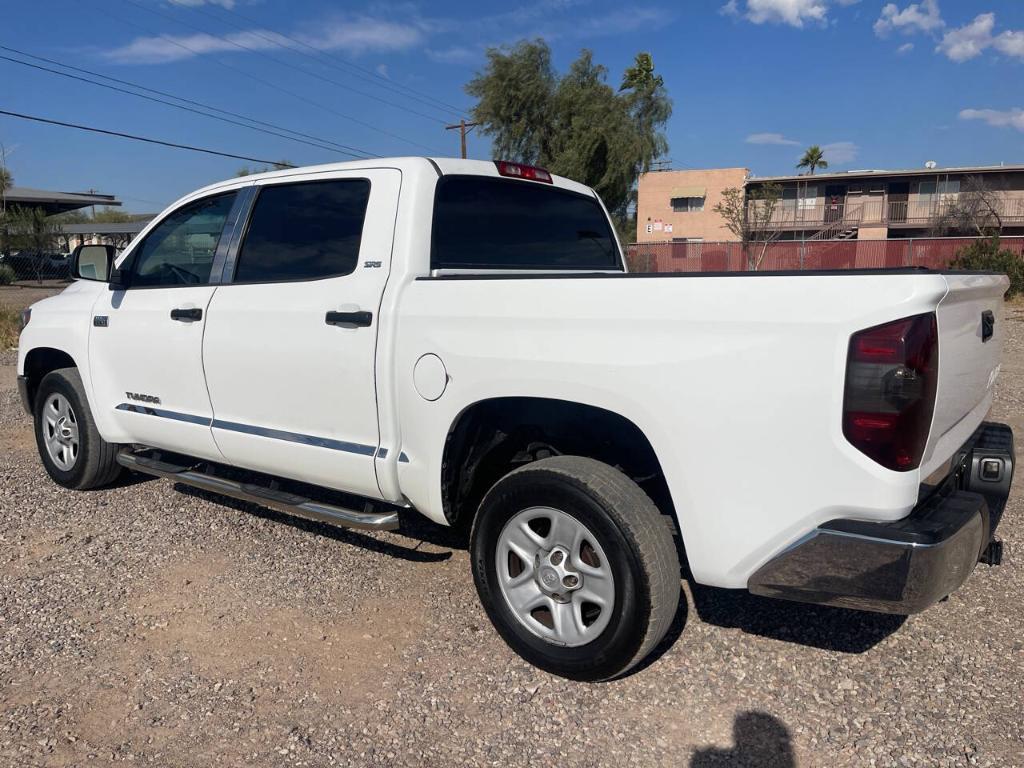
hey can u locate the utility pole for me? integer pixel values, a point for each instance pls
(464, 128)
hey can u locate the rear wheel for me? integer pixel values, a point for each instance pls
(72, 451)
(575, 566)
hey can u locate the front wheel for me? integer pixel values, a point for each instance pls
(575, 567)
(73, 453)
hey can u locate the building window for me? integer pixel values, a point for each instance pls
(687, 204)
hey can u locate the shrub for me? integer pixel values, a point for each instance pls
(988, 256)
(10, 325)
(7, 275)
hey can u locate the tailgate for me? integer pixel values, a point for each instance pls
(968, 364)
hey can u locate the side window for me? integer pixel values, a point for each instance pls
(304, 231)
(179, 251)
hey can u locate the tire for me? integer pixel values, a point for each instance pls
(577, 498)
(80, 462)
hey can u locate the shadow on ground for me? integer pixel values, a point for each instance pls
(342, 535)
(834, 629)
(816, 626)
(759, 741)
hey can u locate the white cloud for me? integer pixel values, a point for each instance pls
(916, 17)
(456, 54)
(352, 36)
(793, 12)
(905, 48)
(382, 70)
(1011, 43)
(840, 152)
(229, 4)
(967, 42)
(1009, 118)
(776, 139)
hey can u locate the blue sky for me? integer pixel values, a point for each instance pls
(753, 81)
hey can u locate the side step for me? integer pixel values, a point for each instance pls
(290, 503)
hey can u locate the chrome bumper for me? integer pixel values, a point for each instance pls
(904, 566)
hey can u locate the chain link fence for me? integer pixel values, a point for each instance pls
(791, 255)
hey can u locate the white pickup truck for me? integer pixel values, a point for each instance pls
(463, 339)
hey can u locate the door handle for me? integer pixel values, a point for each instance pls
(350, 319)
(187, 315)
(988, 325)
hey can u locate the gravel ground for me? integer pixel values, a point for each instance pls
(146, 625)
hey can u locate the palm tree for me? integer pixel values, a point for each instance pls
(813, 158)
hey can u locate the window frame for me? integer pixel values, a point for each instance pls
(436, 266)
(131, 256)
(231, 267)
(690, 207)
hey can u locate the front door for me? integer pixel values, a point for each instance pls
(291, 336)
(899, 194)
(145, 343)
(835, 202)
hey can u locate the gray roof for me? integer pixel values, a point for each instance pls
(871, 173)
(56, 202)
(99, 228)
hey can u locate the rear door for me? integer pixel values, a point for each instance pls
(291, 336)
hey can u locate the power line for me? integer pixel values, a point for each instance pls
(266, 83)
(351, 152)
(133, 137)
(277, 44)
(188, 101)
(321, 56)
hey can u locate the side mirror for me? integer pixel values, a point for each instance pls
(96, 262)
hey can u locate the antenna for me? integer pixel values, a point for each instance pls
(930, 164)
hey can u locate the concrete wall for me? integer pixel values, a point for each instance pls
(654, 204)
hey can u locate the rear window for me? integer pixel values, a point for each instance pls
(488, 223)
(304, 231)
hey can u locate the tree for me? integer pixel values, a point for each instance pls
(813, 158)
(749, 217)
(279, 165)
(31, 230)
(575, 125)
(986, 254)
(975, 210)
(6, 181)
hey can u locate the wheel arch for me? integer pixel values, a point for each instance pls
(489, 438)
(40, 361)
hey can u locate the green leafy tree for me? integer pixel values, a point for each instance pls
(813, 158)
(31, 230)
(575, 125)
(988, 255)
(280, 165)
(6, 180)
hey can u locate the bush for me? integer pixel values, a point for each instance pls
(10, 327)
(988, 256)
(7, 275)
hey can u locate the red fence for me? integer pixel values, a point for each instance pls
(933, 252)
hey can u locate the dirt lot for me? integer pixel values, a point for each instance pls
(146, 625)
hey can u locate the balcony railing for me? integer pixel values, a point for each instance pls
(882, 211)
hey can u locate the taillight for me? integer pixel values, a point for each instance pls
(519, 171)
(891, 373)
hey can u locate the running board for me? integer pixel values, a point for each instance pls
(290, 503)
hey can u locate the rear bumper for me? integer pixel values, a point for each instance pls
(26, 401)
(904, 566)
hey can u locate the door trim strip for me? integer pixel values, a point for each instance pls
(274, 434)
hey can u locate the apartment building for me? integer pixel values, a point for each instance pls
(861, 205)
